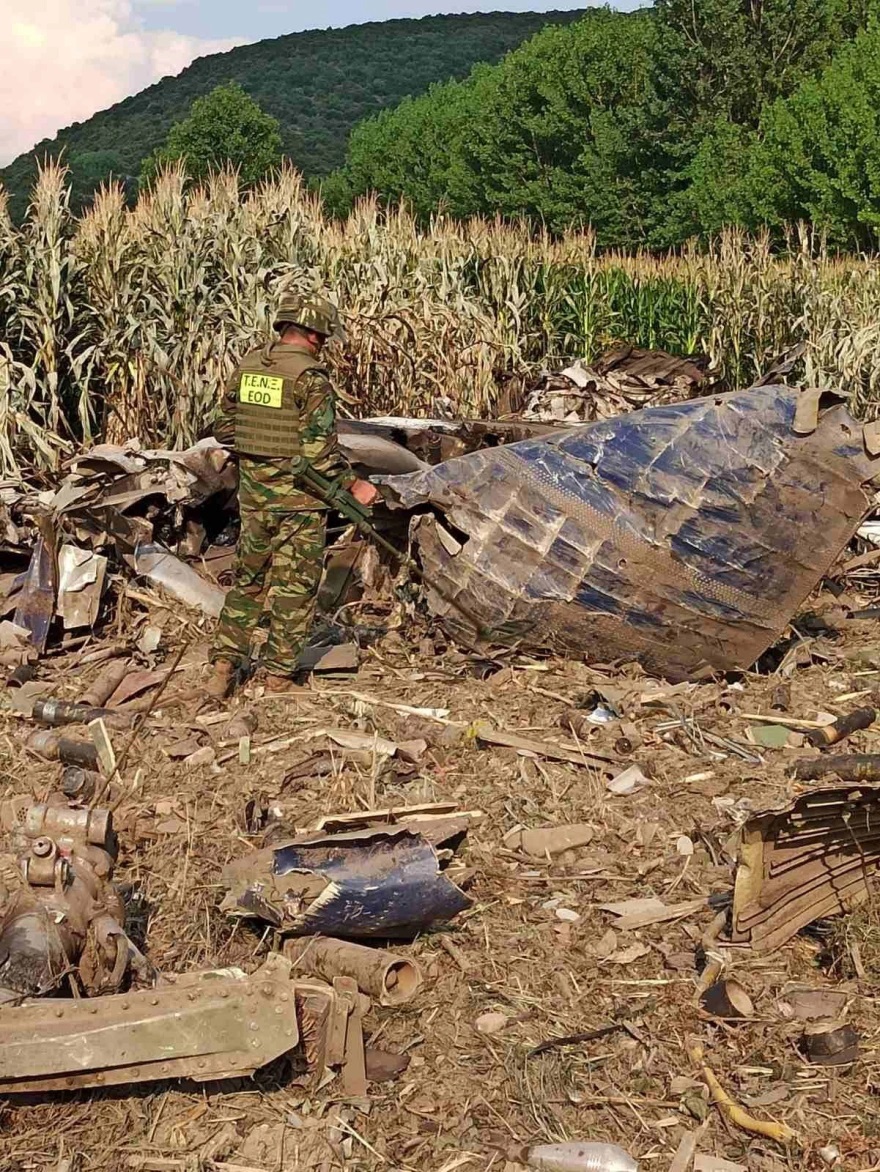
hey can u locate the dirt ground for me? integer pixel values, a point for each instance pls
(536, 947)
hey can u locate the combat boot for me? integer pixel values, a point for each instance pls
(222, 680)
(276, 685)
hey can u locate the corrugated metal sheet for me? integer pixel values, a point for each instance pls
(681, 536)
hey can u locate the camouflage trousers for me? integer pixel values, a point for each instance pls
(277, 571)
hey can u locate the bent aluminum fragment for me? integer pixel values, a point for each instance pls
(380, 884)
(164, 569)
(681, 536)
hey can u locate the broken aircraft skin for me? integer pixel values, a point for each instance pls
(682, 536)
(379, 883)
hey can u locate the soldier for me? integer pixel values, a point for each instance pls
(279, 404)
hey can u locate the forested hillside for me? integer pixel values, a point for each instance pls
(651, 127)
(317, 84)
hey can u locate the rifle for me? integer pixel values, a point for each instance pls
(332, 494)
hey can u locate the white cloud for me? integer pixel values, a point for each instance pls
(66, 59)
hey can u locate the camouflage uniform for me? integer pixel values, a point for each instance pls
(281, 548)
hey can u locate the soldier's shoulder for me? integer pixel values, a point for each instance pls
(252, 360)
(295, 363)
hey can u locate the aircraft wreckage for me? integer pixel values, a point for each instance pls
(683, 536)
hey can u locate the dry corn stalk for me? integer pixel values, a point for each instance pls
(125, 321)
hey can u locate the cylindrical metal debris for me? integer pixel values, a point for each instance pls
(105, 684)
(832, 734)
(389, 978)
(53, 746)
(57, 713)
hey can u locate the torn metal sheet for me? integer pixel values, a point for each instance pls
(682, 536)
(36, 600)
(203, 1026)
(81, 576)
(375, 453)
(816, 857)
(376, 882)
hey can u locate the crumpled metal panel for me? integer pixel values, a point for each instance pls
(378, 883)
(682, 536)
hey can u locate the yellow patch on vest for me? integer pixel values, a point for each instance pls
(263, 390)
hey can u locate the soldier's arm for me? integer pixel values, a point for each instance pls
(319, 443)
(223, 425)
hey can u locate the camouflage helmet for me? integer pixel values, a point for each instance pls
(309, 312)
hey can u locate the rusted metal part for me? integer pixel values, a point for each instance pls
(375, 883)
(106, 683)
(830, 1043)
(846, 766)
(814, 858)
(844, 726)
(353, 1077)
(23, 674)
(58, 713)
(682, 536)
(52, 745)
(60, 913)
(389, 978)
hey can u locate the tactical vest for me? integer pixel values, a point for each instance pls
(267, 413)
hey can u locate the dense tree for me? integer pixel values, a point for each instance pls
(729, 58)
(414, 152)
(224, 128)
(718, 64)
(552, 132)
(558, 127)
(818, 155)
(89, 170)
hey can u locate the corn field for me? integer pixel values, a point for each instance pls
(125, 322)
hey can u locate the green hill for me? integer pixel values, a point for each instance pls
(318, 84)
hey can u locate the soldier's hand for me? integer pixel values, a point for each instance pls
(364, 492)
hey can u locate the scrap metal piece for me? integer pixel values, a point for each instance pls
(60, 913)
(389, 978)
(81, 577)
(813, 858)
(202, 1026)
(373, 883)
(683, 536)
(36, 600)
(161, 567)
(205, 1026)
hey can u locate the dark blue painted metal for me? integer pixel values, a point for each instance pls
(682, 536)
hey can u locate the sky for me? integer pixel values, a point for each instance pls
(66, 59)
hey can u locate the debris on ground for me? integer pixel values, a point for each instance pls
(585, 930)
(61, 916)
(581, 1157)
(620, 380)
(203, 1026)
(811, 859)
(387, 977)
(389, 877)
